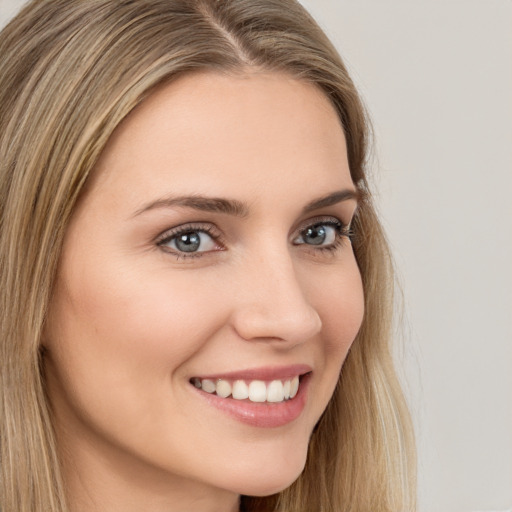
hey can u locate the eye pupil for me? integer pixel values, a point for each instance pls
(188, 242)
(315, 235)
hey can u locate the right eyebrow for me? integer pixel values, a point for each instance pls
(201, 203)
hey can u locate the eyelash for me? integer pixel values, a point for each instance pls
(342, 230)
(174, 233)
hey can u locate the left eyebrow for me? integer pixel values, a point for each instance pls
(332, 199)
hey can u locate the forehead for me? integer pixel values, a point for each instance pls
(209, 131)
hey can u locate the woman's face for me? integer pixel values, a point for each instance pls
(210, 251)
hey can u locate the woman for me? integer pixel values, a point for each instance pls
(189, 255)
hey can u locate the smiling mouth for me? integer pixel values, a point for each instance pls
(257, 391)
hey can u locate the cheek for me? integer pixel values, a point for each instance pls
(337, 295)
(126, 331)
(139, 318)
(340, 303)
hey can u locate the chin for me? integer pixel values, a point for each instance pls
(264, 486)
(265, 479)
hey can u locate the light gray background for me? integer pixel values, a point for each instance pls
(437, 78)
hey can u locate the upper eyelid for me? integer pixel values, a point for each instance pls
(341, 227)
(208, 228)
(327, 219)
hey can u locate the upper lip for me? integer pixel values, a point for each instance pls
(266, 373)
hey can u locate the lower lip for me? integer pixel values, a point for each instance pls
(263, 415)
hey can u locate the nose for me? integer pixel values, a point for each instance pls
(273, 303)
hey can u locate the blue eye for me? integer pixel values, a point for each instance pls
(319, 235)
(324, 234)
(189, 241)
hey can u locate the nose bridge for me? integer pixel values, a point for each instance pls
(274, 304)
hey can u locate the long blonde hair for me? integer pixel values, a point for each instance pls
(71, 71)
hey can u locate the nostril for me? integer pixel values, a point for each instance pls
(273, 306)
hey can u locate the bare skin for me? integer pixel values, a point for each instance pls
(153, 292)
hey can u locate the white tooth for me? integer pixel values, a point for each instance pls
(275, 392)
(197, 383)
(240, 390)
(286, 389)
(294, 386)
(223, 388)
(208, 385)
(257, 391)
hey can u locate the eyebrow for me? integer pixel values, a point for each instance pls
(332, 199)
(238, 208)
(201, 203)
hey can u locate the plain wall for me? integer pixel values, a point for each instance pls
(437, 79)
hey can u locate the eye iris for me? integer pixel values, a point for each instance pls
(315, 235)
(188, 242)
